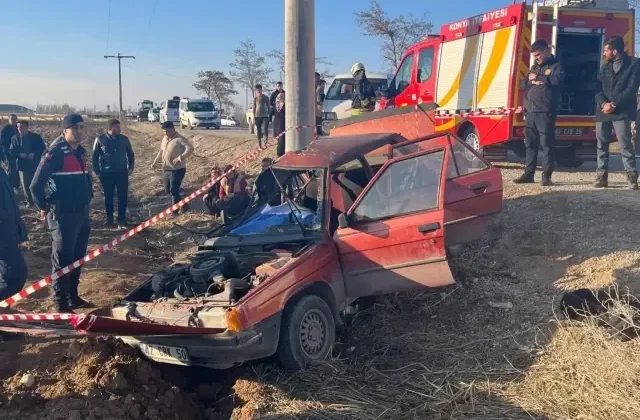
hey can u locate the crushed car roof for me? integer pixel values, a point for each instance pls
(335, 150)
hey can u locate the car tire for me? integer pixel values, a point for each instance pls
(307, 333)
(217, 127)
(566, 158)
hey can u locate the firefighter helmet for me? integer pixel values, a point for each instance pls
(356, 68)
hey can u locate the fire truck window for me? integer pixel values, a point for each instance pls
(403, 76)
(463, 160)
(425, 64)
(406, 186)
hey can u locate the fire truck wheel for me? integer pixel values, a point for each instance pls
(472, 138)
(307, 333)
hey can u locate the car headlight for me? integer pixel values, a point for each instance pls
(330, 116)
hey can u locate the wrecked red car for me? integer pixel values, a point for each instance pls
(348, 217)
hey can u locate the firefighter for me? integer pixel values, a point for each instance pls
(64, 168)
(13, 269)
(364, 96)
(542, 87)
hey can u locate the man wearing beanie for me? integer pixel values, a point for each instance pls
(64, 168)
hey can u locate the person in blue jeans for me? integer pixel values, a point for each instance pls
(616, 105)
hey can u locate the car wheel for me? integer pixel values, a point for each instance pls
(307, 333)
(471, 137)
(217, 127)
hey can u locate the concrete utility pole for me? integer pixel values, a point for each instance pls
(299, 63)
(120, 57)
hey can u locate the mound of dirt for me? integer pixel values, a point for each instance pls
(93, 379)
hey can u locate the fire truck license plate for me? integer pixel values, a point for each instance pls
(569, 131)
(167, 354)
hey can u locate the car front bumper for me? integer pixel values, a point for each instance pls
(201, 123)
(218, 351)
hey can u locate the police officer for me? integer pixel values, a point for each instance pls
(364, 96)
(113, 161)
(543, 87)
(13, 269)
(66, 209)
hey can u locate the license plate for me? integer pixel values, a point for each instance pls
(569, 131)
(167, 354)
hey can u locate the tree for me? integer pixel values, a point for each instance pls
(249, 67)
(397, 33)
(216, 86)
(278, 57)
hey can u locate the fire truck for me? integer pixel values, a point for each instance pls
(472, 71)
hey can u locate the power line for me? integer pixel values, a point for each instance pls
(120, 57)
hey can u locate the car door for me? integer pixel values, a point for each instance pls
(402, 86)
(394, 240)
(425, 75)
(473, 193)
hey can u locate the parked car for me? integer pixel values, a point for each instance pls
(154, 114)
(169, 110)
(199, 113)
(371, 214)
(229, 121)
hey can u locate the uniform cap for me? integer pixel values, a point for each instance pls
(70, 120)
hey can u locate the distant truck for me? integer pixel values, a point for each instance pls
(473, 67)
(143, 110)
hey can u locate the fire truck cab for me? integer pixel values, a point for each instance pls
(472, 70)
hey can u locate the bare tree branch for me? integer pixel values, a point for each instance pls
(216, 85)
(249, 67)
(397, 33)
(278, 57)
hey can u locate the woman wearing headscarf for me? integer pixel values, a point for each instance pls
(279, 123)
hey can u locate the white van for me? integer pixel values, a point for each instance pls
(337, 101)
(198, 113)
(169, 110)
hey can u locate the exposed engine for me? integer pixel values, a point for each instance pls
(214, 275)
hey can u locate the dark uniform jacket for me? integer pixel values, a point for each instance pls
(364, 96)
(112, 154)
(6, 133)
(65, 169)
(546, 97)
(619, 88)
(31, 143)
(12, 229)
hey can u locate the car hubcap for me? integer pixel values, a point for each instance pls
(313, 333)
(473, 141)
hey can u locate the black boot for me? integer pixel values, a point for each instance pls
(63, 309)
(524, 179)
(632, 180)
(77, 303)
(602, 181)
(546, 180)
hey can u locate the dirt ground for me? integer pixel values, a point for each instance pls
(489, 347)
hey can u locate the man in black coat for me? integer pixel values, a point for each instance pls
(7, 132)
(543, 87)
(616, 106)
(13, 269)
(25, 150)
(113, 161)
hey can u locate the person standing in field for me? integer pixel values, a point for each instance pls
(543, 87)
(13, 268)
(261, 112)
(113, 161)
(25, 150)
(279, 123)
(616, 108)
(7, 132)
(174, 150)
(64, 168)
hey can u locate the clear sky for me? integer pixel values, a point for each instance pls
(52, 51)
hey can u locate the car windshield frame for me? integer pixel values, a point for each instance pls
(201, 106)
(333, 93)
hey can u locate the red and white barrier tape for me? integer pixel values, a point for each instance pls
(493, 111)
(37, 317)
(106, 247)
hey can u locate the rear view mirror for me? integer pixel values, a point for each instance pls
(343, 221)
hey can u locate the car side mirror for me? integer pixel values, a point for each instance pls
(343, 221)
